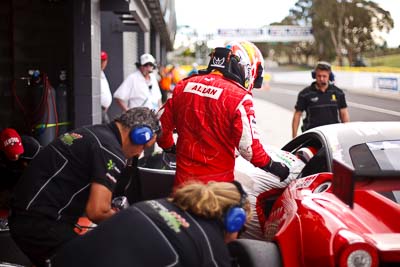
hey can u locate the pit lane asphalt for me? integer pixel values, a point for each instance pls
(274, 106)
(363, 106)
(273, 122)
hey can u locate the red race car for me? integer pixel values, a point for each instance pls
(343, 208)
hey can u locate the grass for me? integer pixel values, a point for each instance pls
(386, 61)
(389, 63)
(368, 69)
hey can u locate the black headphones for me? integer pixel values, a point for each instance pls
(235, 216)
(323, 66)
(142, 134)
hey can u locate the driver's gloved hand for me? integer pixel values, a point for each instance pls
(277, 168)
(171, 149)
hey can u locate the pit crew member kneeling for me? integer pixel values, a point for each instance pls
(189, 229)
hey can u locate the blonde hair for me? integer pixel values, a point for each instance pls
(210, 200)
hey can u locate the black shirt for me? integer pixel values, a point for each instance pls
(150, 233)
(321, 107)
(57, 181)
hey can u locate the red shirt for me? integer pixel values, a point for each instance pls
(213, 116)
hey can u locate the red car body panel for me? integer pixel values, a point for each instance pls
(304, 223)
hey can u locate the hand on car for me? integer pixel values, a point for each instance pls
(277, 168)
(171, 149)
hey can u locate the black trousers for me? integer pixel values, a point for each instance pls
(39, 237)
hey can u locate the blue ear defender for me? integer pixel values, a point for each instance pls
(235, 216)
(140, 135)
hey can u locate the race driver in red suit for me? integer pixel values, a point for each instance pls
(213, 115)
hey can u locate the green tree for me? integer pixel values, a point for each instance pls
(296, 52)
(345, 27)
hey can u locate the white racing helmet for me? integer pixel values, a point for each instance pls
(251, 62)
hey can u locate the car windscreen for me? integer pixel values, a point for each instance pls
(376, 156)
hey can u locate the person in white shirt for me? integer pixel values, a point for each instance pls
(140, 89)
(105, 92)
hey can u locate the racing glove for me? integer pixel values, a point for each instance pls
(277, 168)
(171, 149)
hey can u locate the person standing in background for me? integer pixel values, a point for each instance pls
(105, 92)
(164, 83)
(140, 89)
(170, 77)
(323, 102)
(194, 69)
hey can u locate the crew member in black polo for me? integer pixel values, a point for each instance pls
(189, 229)
(76, 174)
(323, 102)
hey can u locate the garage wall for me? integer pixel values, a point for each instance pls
(130, 49)
(35, 35)
(6, 69)
(111, 42)
(86, 59)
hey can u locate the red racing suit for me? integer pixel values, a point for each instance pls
(213, 116)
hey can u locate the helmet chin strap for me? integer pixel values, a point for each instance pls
(259, 78)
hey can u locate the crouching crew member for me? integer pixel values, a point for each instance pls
(189, 229)
(16, 151)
